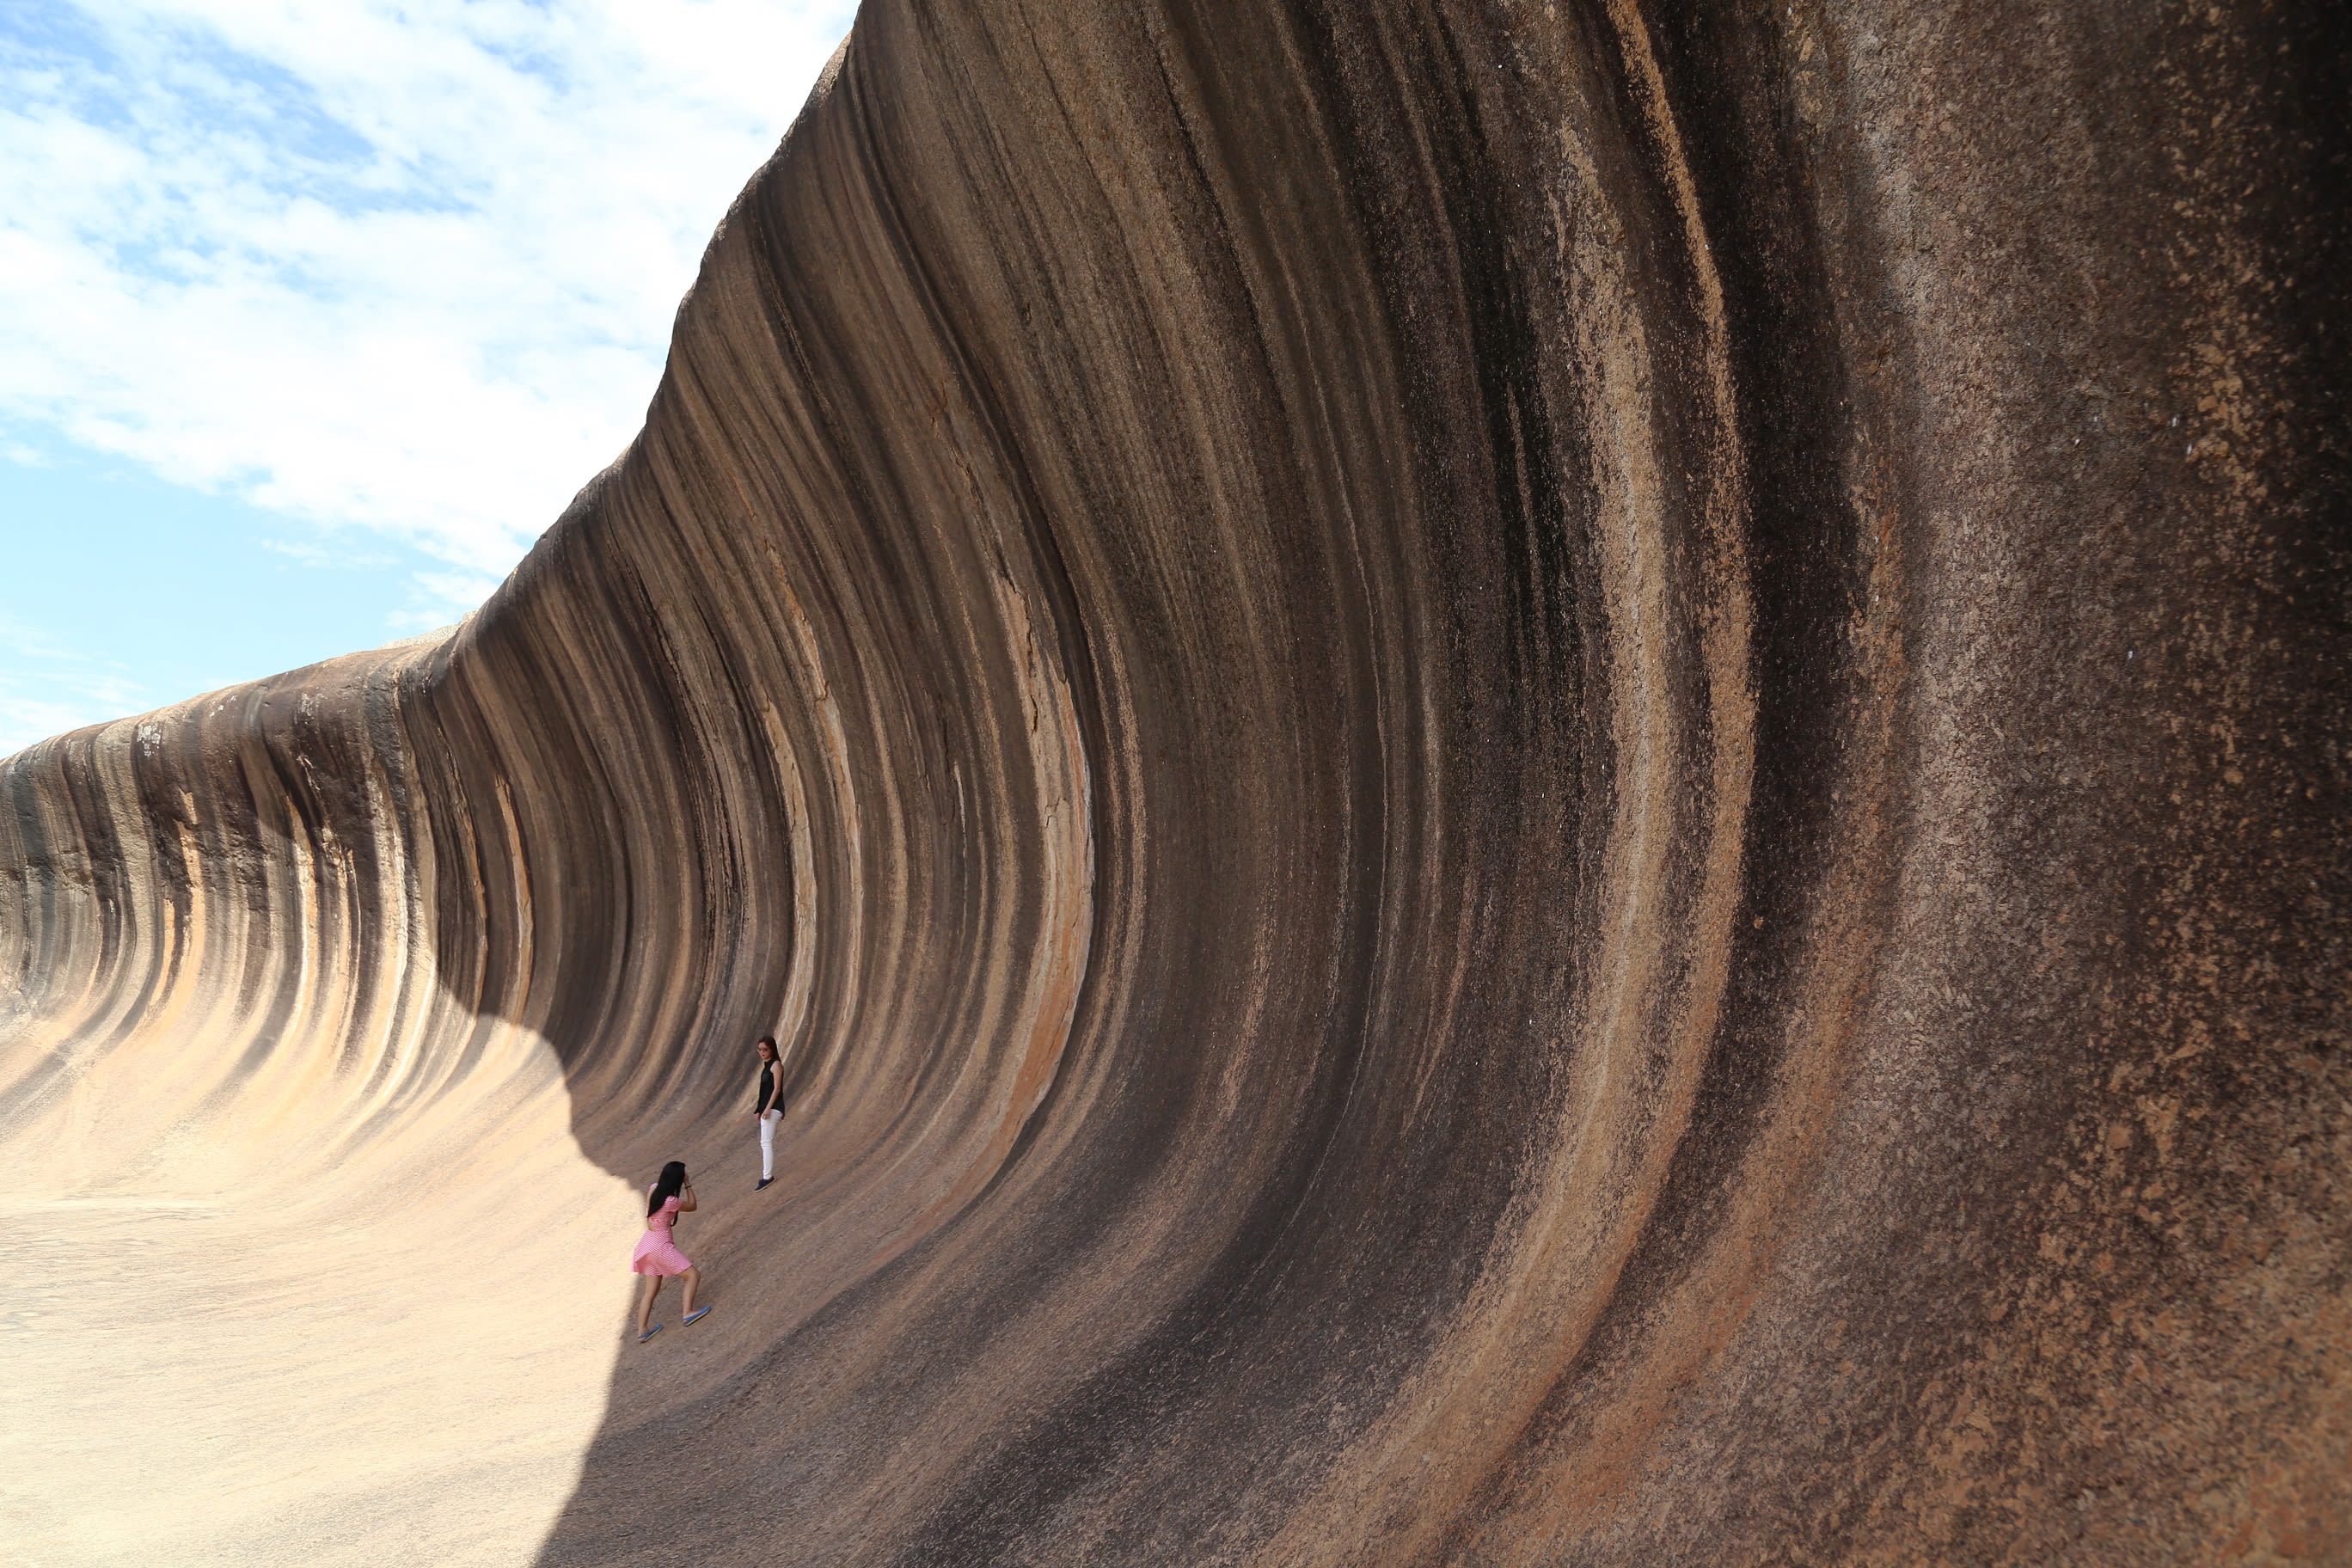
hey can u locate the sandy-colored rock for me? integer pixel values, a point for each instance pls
(1524, 784)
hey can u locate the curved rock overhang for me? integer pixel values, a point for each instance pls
(1523, 783)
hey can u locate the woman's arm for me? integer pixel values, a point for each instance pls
(686, 1199)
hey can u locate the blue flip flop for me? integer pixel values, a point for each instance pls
(697, 1313)
(649, 1334)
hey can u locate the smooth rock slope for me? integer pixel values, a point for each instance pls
(1527, 784)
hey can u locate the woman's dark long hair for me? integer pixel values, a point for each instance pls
(673, 1178)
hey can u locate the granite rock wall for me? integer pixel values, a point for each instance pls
(1524, 783)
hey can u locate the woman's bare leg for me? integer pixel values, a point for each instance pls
(693, 1278)
(645, 1311)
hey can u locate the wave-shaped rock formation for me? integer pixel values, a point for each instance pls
(1523, 784)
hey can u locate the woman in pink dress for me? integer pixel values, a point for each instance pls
(657, 1256)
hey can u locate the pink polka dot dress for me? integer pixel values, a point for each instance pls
(657, 1251)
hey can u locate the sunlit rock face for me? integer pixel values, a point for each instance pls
(1524, 783)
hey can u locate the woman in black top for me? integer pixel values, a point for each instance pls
(770, 1108)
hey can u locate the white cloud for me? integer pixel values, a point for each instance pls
(439, 598)
(47, 687)
(405, 263)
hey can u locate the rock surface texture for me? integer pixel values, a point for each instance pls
(1524, 784)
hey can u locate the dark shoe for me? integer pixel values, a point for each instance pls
(763, 1181)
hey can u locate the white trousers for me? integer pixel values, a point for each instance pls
(767, 1120)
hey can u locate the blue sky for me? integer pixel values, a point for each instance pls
(312, 315)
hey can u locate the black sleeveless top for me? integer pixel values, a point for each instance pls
(767, 1088)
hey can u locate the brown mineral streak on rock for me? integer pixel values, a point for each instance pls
(1520, 783)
